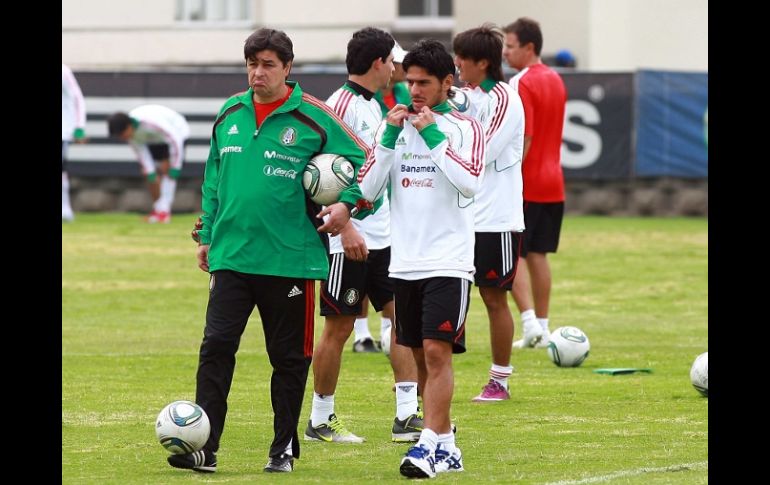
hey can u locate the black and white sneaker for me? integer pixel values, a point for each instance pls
(280, 464)
(365, 345)
(200, 461)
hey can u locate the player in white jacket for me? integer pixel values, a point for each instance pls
(73, 127)
(362, 268)
(498, 207)
(433, 159)
(158, 135)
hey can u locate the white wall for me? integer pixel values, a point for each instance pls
(602, 34)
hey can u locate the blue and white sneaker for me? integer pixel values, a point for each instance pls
(418, 463)
(448, 462)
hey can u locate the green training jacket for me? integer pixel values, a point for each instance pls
(256, 215)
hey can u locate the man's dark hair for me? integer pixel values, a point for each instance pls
(482, 43)
(275, 40)
(527, 30)
(117, 123)
(366, 46)
(432, 56)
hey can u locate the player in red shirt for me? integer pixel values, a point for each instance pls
(544, 98)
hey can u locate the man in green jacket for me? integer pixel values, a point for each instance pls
(263, 241)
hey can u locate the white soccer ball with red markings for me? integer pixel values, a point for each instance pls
(182, 427)
(326, 176)
(568, 346)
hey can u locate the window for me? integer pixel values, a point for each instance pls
(424, 18)
(425, 8)
(213, 11)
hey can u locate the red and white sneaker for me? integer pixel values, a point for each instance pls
(159, 217)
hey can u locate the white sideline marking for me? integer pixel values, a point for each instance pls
(629, 473)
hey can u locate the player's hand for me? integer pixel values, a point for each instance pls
(423, 119)
(339, 215)
(397, 115)
(353, 243)
(202, 254)
(198, 226)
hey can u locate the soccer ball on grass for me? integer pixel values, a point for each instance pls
(699, 374)
(182, 427)
(568, 346)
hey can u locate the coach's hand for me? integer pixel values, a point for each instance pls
(202, 254)
(198, 226)
(339, 215)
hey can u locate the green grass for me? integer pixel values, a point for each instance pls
(133, 306)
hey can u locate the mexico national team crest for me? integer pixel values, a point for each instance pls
(288, 136)
(351, 297)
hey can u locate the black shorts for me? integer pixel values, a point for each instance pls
(432, 308)
(159, 151)
(496, 256)
(349, 281)
(543, 227)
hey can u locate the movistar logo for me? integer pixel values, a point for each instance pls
(272, 154)
(414, 156)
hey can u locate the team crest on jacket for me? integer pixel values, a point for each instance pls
(351, 297)
(288, 136)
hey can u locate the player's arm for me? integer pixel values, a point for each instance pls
(503, 127)
(374, 176)
(462, 165)
(529, 117)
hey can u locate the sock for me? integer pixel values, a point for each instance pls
(544, 323)
(500, 374)
(385, 324)
(528, 315)
(323, 407)
(428, 439)
(361, 328)
(406, 399)
(288, 450)
(447, 441)
(167, 189)
(66, 209)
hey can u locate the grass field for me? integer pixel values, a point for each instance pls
(133, 305)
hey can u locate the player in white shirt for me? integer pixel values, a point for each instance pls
(157, 134)
(73, 127)
(433, 159)
(359, 259)
(499, 221)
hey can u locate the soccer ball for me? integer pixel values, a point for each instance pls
(182, 427)
(325, 176)
(699, 374)
(568, 346)
(460, 100)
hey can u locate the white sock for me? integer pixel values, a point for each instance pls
(288, 450)
(447, 441)
(385, 324)
(544, 323)
(361, 328)
(501, 374)
(66, 208)
(406, 399)
(167, 189)
(323, 407)
(528, 315)
(428, 439)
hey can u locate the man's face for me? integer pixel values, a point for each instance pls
(471, 71)
(127, 133)
(425, 89)
(385, 71)
(267, 74)
(514, 53)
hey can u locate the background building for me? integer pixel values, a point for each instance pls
(602, 34)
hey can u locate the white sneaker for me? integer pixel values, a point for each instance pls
(533, 333)
(544, 341)
(418, 463)
(448, 462)
(518, 344)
